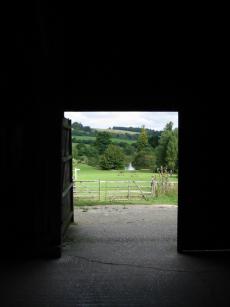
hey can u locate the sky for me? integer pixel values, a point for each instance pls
(104, 120)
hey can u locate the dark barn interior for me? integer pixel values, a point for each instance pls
(51, 65)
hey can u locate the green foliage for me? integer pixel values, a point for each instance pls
(93, 155)
(152, 148)
(154, 138)
(83, 159)
(79, 129)
(82, 149)
(133, 130)
(171, 153)
(77, 125)
(93, 161)
(145, 159)
(113, 158)
(92, 151)
(142, 141)
(127, 148)
(127, 129)
(169, 126)
(167, 150)
(103, 140)
(86, 139)
(85, 154)
(74, 152)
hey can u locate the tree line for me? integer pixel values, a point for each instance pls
(151, 150)
(79, 130)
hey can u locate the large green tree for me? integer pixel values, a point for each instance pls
(103, 140)
(154, 138)
(145, 159)
(113, 158)
(142, 142)
(171, 153)
(167, 150)
(169, 126)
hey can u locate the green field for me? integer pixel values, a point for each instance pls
(91, 173)
(117, 131)
(93, 138)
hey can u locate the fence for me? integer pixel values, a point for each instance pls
(108, 190)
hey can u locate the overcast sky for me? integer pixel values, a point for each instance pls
(151, 120)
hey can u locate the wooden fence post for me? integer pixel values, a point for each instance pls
(153, 191)
(106, 190)
(75, 173)
(129, 190)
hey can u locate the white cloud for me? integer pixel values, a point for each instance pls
(152, 120)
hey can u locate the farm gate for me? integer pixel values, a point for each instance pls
(119, 190)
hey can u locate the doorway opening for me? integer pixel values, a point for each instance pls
(125, 157)
(123, 160)
(125, 187)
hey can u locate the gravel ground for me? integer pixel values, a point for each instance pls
(129, 233)
(119, 256)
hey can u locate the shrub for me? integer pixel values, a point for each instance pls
(113, 158)
(144, 159)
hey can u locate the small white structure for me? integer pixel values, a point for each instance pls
(75, 173)
(130, 167)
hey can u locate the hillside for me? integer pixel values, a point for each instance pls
(87, 135)
(115, 148)
(117, 131)
(90, 139)
(129, 135)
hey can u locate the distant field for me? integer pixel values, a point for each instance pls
(117, 131)
(114, 140)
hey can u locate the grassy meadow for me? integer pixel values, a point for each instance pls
(91, 173)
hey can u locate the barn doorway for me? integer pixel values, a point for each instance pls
(133, 187)
(114, 163)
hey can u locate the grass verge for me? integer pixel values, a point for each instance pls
(161, 200)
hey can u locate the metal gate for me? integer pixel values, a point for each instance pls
(66, 176)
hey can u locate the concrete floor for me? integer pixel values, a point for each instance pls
(119, 256)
